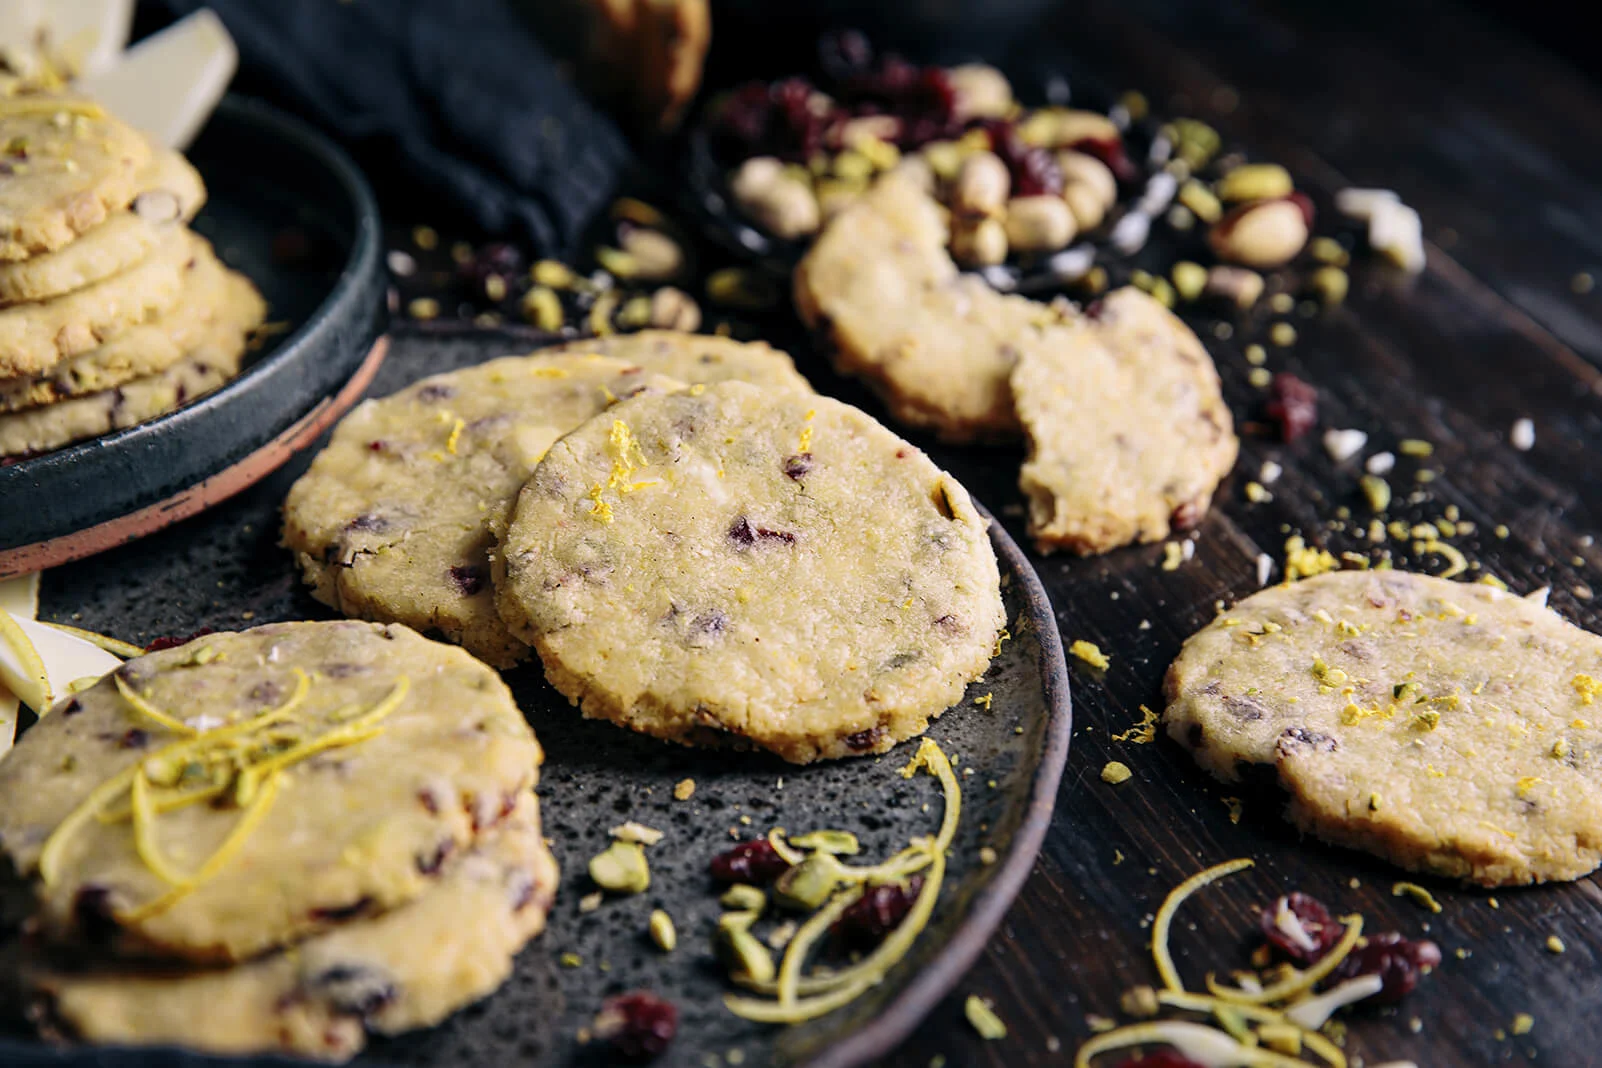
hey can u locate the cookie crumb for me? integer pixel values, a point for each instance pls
(1554, 944)
(983, 1018)
(1090, 653)
(1523, 1023)
(591, 902)
(684, 789)
(1116, 772)
(987, 856)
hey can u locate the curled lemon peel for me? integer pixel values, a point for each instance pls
(33, 686)
(115, 646)
(1165, 916)
(1193, 1002)
(1301, 981)
(150, 711)
(1174, 1033)
(55, 845)
(144, 832)
(801, 944)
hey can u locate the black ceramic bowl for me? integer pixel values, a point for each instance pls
(291, 211)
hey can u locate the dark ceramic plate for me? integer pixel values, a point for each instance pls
(290, 210)
(224, 568)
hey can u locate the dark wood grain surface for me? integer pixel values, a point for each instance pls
(1496, 144)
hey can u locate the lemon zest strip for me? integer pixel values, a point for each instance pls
(145, 708)
(33, 665)
(795, 954)
(1207, 1003)
(144, 832)
(1301, 981)
(115, 646)
(50, 856)
(1165, 916)
(1170, 1033)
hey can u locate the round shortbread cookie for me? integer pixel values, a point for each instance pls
(408, 968)
(696, 358)
(214, 361)
(1128, 432)
(395, 519)
(1447, 727)
(170, 193)
(435, 752)
(733, 565)
(67, 164)
(213, 295)
(937, 345)
(36, 336)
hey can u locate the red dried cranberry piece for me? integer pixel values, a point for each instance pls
(875, 914)
(1111, 152)
(1163, 1058)
(1315, 920)
(639, 1026)
(755, 862)
(1293, 404)
(1396, 960)
(469, 579)
(1034, 170)
(172, 643)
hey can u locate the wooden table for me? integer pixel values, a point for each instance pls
(1496, 145)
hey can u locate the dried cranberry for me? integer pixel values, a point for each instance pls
(172, 643)
(754, 862)
(1293, 404)
(1315, 920)
(638, 1025)
(1111, 152)
(1396, 960)
(798, 465)
(1163, 1058)
(1034, 170)
(468, 579)
(875, 914)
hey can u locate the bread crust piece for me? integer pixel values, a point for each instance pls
(1128, 431)
(1446, 727)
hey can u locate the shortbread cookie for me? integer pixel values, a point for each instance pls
(307, 806)
(213, 296)
(170, 193)
(1447, 727)
(1128, 432)
(408, 968)
(34, 337)
(696, 357)
(394, 519)
(67, 165)
(733, 565)
(213, 362)
(938, 346)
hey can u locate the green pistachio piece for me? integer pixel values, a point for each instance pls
(835, 843)
(621, 868)
(808, 885)
(747, 959)
(662, 931)
(743, 897)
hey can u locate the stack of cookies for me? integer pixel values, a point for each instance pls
(278, 840)
(112, 311)
(696, 545)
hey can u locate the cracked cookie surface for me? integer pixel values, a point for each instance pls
(734, 566)
(395, 519)
(695, 358)
(1448, 727)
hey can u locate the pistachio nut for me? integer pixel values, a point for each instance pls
(981, 91)
(656, 255)
(747, 959)
(880, 128)
(852, 166)
(1331, 284)
(621, 868)
(754, 176)
(543, 308)
(635, 314)
(1062, 127)
(674, 309)
(1255, 181)
(780, 202)
(944, 158)
(982, 185)
(1085, 204)
(1039, 224)
(835, 843)
(1201, 201)
(1190, 280)
(662, 931)
(979, 244)
(636, 832)
(1263, 233)
(808, 884)
(1236, 285)
(745, 898)
(1081, 168)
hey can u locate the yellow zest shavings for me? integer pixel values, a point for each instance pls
(983, 1018)
(1090, 653)
(34, 684)
(627, 458)
(150, 711)
(1526, 785)
(1165, 916)
(1143, 732)
(1173, 556)
(1414, 447)
(1587, 687)
(804, 442)
(1297, 982)
(1115, 772)
(117, 648)
(984, 700)
(1004, 636)
(455, 436)
(1186, 1037)
(1418, 894)
(144, 832)
(1456, 562)
(548, 372)
(1304, 562)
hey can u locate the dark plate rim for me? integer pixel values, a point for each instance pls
(360, 279)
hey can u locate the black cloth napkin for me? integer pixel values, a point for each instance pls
(457, 93)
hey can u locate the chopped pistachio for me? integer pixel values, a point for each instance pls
(591, 902)
(1116, 772)
(636, 832)
(1328, 250)
(684, 789)
(1256, 355)
(1378, 492)
(984, 1018)
(1331, 284)
(1260, 377)
(807, 885)
(1554, 944)
(1415, 447)
(1281, 303)
(543, 308)
(1523, 1023)
(1190, 279)
(1255, 181)
(987, 856)
(662, 932)
(425, 237)
(1282, 334)
(552, 273)
(635, 313)
(621, 868)
(1140, 1002)
(1256, 494)
(423, 308)
(1162, 292)
(747, 959)
(744, 898)
(836, 843)
(571, 960)
(1090, 653)
(1200, 201)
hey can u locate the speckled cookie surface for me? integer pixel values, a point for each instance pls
(395, 518)
(35, 336)
(212, 296)
(170, 192)
(695, 358)
(357, 827)
(1447, 727)
(1128, 432)
(408, 968)
(68, 165)
(213, 361)
(938, 346)
(731, 565)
